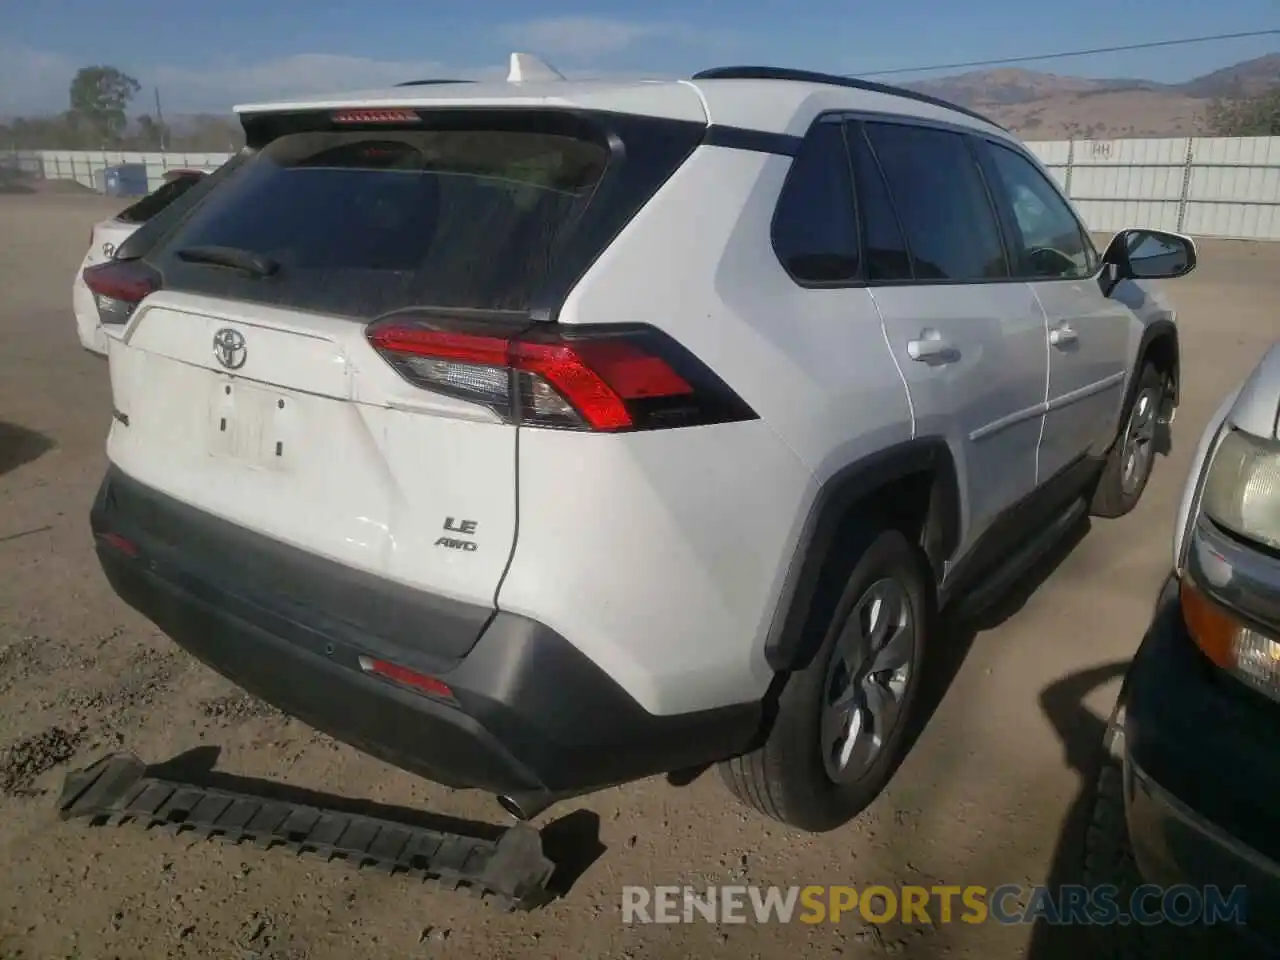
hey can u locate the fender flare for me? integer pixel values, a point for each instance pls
(784, 644)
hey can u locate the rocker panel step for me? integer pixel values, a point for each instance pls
(510, 872)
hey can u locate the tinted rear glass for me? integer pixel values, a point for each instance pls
(362, 223)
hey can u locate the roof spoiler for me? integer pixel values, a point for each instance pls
(526, 68)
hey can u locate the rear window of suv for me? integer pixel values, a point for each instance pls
(360, 223)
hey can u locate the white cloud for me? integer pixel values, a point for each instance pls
(221, 87)
(33, 80)
(587, 38)
(303, 73)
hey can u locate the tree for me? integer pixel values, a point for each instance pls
(1246, 116)
(100, 97)
(49, 133)
(152, 135)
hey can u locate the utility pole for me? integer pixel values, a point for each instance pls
(160, 121)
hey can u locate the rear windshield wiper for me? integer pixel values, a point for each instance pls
(252, 263)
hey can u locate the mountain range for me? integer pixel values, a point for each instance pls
(1049, 106)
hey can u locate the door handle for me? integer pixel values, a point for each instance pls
(1062, 336)
(931, 347)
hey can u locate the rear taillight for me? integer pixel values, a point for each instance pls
(118, 286)
(615, 378)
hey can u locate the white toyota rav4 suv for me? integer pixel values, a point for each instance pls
(540, 436)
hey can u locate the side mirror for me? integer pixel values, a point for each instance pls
(1141, 254)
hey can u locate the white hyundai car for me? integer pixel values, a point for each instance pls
(105, 238)
(543, 435)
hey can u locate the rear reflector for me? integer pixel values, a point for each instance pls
(385, 115)
(122, 544)
(406, 677)
(606, 378)
(118, 286)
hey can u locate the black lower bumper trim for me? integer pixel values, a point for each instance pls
(529, 713)
(511, 872)
(304, 593)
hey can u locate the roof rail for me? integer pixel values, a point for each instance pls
(424, 83)
(811, 76)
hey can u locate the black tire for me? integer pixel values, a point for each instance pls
(786, 777)
(1112, 497)
(1108, 859)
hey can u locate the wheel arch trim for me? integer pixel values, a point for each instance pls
(842, 491)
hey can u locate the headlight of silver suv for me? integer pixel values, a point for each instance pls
(1232, 584)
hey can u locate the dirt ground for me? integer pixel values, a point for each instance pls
(988, 795)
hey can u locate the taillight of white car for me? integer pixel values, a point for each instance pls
(118, 286)
(605, 378)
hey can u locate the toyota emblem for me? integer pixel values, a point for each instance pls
(229, 348)
(108, 250)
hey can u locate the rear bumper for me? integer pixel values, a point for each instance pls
(529, 713)
(1202, 770)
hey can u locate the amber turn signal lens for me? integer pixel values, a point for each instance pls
(1211, 626)
(1249, 654)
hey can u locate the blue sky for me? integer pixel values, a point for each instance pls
(213, 54)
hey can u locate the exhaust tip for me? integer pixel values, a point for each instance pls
(512, 806)
(526, 806)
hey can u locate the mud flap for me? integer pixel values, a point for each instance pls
(510, 872)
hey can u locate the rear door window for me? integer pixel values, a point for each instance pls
(361, 223)
(942, 201)
(887, 257)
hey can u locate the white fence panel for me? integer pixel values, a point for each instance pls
(1056, 157)
(1111, 215)
(1233, 188)
(1052, 153)
(1234, 221)
(1123, 183)
(1209, 187)
(83, 166)
(1116, 183)
(1153, 152)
